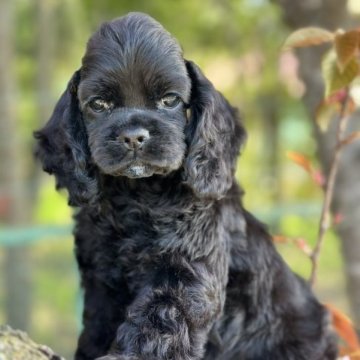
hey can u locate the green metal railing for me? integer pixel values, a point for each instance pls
(11, 236)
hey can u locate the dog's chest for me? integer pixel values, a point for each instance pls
(130, 240)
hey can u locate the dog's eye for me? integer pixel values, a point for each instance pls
(170, 101)
(99, 105)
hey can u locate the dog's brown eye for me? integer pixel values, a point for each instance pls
(170, 101)
(99, 105)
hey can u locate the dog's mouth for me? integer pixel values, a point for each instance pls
(133, 165)
(135, 170)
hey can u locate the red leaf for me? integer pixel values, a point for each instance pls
(318, 177)
(344, 328)
(301, 160)
(280, 239)
(354, 355)
(303, 246)
(305, 163)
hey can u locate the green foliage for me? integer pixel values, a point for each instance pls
(340, 67)
(337, 77)
(236, 42)
(52, 206)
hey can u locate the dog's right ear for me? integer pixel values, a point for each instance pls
(214, 134)
(62, 147)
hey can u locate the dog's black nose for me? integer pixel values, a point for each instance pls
(134, 139)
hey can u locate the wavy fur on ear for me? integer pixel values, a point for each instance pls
(215, 135)
(63, 150)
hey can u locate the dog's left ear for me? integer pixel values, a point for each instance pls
(62, 148)
(214, 135)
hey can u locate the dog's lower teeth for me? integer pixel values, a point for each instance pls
(137, 170)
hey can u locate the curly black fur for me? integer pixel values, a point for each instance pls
(172, 265)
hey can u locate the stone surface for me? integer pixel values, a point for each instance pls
(16, 345)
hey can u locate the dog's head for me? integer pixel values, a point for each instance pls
(124, 113)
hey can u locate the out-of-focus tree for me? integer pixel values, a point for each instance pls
(44, 49)
(13, 196)
(331, 14)
(238, 49)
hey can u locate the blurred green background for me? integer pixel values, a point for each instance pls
(237, 43)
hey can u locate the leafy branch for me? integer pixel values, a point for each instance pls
(340, 67)
(329, 189)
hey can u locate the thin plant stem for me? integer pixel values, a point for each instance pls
(324, 223)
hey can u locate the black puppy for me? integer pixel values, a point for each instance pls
(172, 265)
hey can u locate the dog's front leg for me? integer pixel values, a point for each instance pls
(171, 318)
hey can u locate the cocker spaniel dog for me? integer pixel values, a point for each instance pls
(172, 265)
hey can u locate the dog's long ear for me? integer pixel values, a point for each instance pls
(214, 137)
(62, 148)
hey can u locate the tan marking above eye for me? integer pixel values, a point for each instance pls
(170, 101)
(100, 105)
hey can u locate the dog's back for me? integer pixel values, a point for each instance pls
(270, 313)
